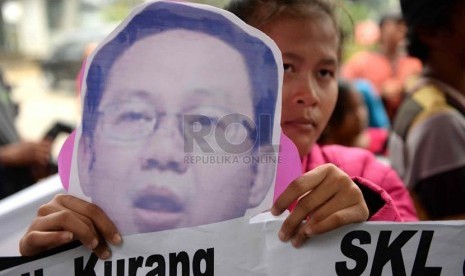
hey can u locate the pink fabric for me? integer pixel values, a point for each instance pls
(378, 138)
(363, 168)
(289, 166)
(64, 160)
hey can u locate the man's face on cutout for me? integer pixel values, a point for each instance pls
(139, 175)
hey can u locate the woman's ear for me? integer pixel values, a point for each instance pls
(430, 37)
(264, 177)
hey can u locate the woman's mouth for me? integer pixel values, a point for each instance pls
(301, 124)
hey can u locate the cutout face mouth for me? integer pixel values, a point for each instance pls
(159, 203)
(157, 209)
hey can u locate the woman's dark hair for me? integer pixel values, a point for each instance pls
(429, 15)
(340, 109)
(258, 13)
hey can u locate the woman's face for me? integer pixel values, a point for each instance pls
(309, 49)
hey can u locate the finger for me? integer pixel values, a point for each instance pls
(102, 251)
(52, 208)
(318, 223)
(304, 208)
(349, 198)
(35, 242)
(346, 198)
(338, 219)
(322, 193)
(346, 216)
(307, 204)
(54, 216)
(59, 204)
(302, 234)
(66, 220)
(48, 208)
(297, 189)
(47, 216)
(293, 221)
(101, 221)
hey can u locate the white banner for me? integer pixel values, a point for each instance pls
(238, 248)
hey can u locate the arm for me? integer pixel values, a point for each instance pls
(25, 153)
(436, 174)
(66, 218)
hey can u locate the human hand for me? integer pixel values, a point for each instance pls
(67, 218)
(327, 199)
(26, 153)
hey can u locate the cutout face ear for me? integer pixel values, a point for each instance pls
(85, 159)
(263, 178)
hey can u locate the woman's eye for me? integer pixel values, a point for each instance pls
(326, 73)
(288, 68)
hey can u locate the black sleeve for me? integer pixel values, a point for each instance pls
(8, 262)
(372, 199)
(443, 194)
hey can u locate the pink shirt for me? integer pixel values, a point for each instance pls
(364, 169)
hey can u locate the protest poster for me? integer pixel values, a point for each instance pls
(158, 239)
(236, 247)
(180, 124)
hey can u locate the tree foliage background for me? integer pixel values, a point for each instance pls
(350, 12)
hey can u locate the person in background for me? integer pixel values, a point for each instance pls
(347, 185)
(427, 147)
(388, 68)
(377, 114)
(348, 125)
(22, 163)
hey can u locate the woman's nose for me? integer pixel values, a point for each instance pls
(305, 91)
